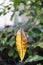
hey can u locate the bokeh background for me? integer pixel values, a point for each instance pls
(15, 14)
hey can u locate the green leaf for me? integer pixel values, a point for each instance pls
(3, 41)
(16, 3)
(11, 52)
(11, 42)
(39, 64)
(34, 58)
(1, 48)
(0, 13)
(37, 44)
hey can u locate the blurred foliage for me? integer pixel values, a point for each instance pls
(33, 29)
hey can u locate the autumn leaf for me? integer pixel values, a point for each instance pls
(21, 43)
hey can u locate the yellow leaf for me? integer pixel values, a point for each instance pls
(21, 43)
